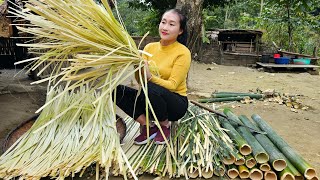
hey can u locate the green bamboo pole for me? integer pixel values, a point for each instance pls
(286, 174)
(302, 166)
(233, 171)
(259, 153)
(243, 172)
(242, 144)
(265, 167)
(276, 158)
(252, 96)
(240, 160)
(210, 100)
(255, 174)
(270, 175)
(250, 161)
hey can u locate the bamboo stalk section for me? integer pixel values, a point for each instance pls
(243, 172)
(270, 175)
(250, 161)
(255, 174)
(289, 152)
(232, 172)
(227, 95)
(243, 146)
(265, 167)
(286, 174)
(240, 160)
(277, 159)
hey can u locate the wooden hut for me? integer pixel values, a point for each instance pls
(232, 47)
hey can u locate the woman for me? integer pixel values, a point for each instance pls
(167, 92)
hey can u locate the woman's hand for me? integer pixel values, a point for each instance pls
(148, 73)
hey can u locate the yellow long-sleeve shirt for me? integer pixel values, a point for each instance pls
(173, 63)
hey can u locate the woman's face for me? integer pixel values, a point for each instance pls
(169, 28)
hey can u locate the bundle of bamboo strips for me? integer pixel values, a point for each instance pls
(200, 146)
(70, 143)
(100, 54)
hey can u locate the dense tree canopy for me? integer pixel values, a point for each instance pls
(291, 24)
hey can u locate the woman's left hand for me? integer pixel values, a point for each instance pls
(148, 73)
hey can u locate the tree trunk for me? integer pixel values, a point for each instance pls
(289, 26)
(261, 7)
(193, 11)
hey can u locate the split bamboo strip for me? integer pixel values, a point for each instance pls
(200, 147)
(277, 159)
(270, 175)
(289, 152)
(255, 174)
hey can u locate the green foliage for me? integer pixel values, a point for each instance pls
(304, 21)
(153, 10)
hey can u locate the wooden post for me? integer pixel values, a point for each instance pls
(315, 51)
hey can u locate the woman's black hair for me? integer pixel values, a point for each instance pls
(182, 38)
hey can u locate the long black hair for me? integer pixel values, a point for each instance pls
(183, 37)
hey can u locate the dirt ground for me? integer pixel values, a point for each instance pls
(19, 100)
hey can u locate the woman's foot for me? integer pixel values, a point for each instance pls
(143, 138)
(159, 139)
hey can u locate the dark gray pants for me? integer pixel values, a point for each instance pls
(166, 104)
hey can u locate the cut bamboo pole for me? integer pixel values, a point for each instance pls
(255, 96)
(286, 174)
(270, 175)
(297, 175)
(207, 174)
(243, 172)
(219, 171)
(250, 161)
(240, 160)
(255, 174)
(284, 147)
(276, 159)
(265, 167)
(242, 145)
(211, 100)
(315, 178)
(193, 172)
(232, 172)
(229, 160)
(258, 151)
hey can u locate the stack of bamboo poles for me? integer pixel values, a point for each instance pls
(200, 147)
(230, 96)
(271, 157)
